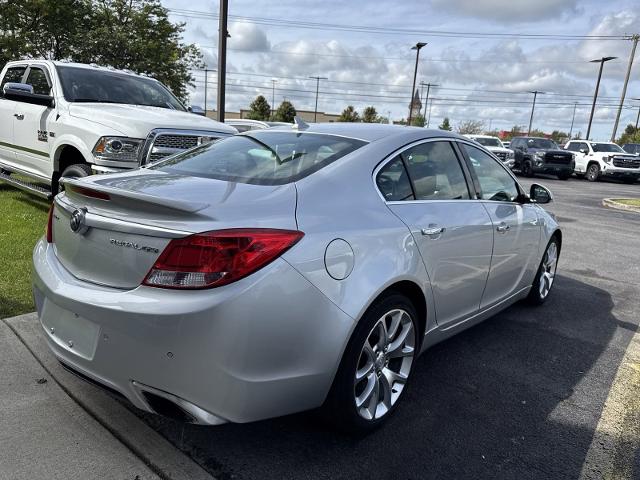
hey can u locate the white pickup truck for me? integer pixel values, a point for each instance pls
(70, 120)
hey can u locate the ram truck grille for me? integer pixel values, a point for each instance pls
(167, 144)
(501, 155)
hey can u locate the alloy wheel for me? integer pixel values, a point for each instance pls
(548, 273)
(384, 364)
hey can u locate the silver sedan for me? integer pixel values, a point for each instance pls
(287, 269)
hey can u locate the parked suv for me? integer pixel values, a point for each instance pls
(495, 146)
(70, 120)
(541, 155)
(595, 160)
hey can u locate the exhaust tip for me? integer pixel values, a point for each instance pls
(167, 408)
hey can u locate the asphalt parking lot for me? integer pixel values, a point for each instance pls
(519, 396)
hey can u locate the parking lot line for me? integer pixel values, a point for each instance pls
(616, 440)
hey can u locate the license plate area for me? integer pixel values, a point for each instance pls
(69, 330)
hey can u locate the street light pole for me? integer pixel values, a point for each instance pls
(222, 57)
(595, 95)
(533, 107)
(417, 48)
(273, 95)
(638, 117)
(315, 111)
(572, 119)
(635, 39)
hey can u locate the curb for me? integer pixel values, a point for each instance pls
(611, 203)
(153, 449)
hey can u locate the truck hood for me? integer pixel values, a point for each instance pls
(499, 149)
(137, 121)
(545, 150)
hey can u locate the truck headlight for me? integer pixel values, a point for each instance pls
(607, 159)
(510, 154)
(121, 149)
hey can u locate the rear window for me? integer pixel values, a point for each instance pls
(262, 157)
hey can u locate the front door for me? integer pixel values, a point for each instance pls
(7, 109)
(515, 225)
(454, 233)
(30, 126)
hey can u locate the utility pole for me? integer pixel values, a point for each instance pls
(533, 107)
(206, 84)
(601, 61)
(426, 100)
(429, 117)
(222, 57)
(417, 48)
(273, 95)
(315, 111)
(635, 39)
(572, 119)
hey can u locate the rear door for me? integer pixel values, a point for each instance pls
(30, 125)
(7, 109)
(515, 225)
(426, 187)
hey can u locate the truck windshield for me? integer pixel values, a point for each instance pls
(261, 157)
(488, 142)
(541, 143)
(606, 147)
(104, 86)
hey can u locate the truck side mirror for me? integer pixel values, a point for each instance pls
(23, 92)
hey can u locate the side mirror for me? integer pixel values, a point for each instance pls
(583, 150)
(540, 194)
(23, 92)
(196, 110)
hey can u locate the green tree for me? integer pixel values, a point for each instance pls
(125, 34)
(285, 112)
(418, 120)
(349, 114)
(445, 125)
(558, 136)
(631, 134)
(259, 109)
(370, 115)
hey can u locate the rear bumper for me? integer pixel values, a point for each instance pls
(265, 346)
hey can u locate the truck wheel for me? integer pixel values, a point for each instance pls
(593, 172)
(527, 169)
(78, 170)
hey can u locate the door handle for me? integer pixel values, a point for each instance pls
(19, 116)
(502, 228)
(432, 231)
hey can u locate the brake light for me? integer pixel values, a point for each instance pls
(216, 258)
(87, 192)
(49, 230)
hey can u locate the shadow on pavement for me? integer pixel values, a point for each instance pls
(518, 396)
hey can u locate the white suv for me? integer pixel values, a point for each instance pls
(595, 160)
(70, 120)
(495, 146)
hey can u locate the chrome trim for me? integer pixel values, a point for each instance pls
(147, 146)
(200, 415)
(94, 220)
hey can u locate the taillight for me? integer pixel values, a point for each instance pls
(88, 192)
(49, 230)
(212, 259)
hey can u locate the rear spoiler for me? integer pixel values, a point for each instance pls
(94, 190)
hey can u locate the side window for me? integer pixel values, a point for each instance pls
(393, 182)
(13, 75)
(495, 182)
(38, 80)
(572, 147)
(435, 172)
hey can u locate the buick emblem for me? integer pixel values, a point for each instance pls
(77, 221)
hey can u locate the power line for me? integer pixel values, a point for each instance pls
(286, 23)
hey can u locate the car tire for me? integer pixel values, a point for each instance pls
(545, 276)
(527, 169)
(593, 172)
(362, 396)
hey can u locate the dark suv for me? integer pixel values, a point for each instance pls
(633, 148)
(541, 155)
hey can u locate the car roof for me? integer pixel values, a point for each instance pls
(86, 66)
(369, 132)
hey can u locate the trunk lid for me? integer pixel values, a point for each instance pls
(121, 235)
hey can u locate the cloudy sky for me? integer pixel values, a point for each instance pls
(482, 78)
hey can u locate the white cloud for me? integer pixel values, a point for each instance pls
(248, 37)
(516, 11)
